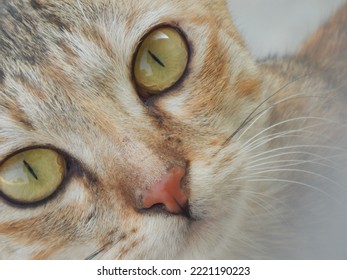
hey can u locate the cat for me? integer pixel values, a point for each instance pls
(146, 130)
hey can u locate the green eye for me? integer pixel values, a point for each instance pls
(32, 175)
(161, 60)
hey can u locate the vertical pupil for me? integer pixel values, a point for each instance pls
(32, 172)
(156, 59)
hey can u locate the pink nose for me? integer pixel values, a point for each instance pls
(167, 192)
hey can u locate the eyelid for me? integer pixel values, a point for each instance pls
(18, 150)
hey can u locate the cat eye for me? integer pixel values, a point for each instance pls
(32, 175)
(161, 60)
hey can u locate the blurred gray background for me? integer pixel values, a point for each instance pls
(279, 26)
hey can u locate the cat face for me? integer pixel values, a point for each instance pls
(131, 168)
(68, 86)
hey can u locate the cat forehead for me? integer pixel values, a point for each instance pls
(124, 23)
(86, 58)
(129, 20)
(134, 11)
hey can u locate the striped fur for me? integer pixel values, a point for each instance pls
(66, 83)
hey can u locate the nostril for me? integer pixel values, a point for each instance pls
(167, 193)
(160, 208)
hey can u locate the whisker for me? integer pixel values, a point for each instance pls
(318, 157)
(337, 149)
(95, 253)
(251, 116)
(261, 104)
(291, 120)
(243, 190)
(100, 250)
(292, 182)
(256, 119)
(289, 162)
(299, 171)
(261, 113)
(287, 134)
(248, 243)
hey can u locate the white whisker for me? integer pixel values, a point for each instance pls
(287, 121)
(286, 134)
(302, 153)
(243, 190)
(326, 147)
(300, 171)
(261, 113)
(286, 163)
(293, 182)
(251, 124)
(247, 243)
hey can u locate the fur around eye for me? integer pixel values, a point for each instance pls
(161, 60)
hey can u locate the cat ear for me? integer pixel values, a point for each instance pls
(328, 46)
(220, 8)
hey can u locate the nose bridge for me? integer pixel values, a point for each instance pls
(140, 166)
(145, 177)
(129, 164)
